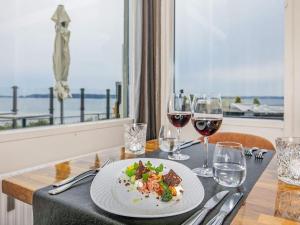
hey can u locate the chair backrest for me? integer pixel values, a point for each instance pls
(247, 140)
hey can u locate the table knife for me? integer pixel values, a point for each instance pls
(198, 217)
(67, 186)
(185, 145)
(226, 209)
(186, 142)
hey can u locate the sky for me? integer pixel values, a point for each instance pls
(231, 47)
(27, 40)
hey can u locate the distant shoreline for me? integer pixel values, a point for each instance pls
(261, 97)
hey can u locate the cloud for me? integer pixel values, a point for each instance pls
(192, 11)
(254, 72)
(27, 40)
(254, 79)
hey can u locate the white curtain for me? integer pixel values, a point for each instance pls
(135, 52)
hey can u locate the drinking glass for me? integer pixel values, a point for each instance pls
(207, 116)
(179, 114)
(229, 164)
(135, 138)
(288, 159)
(168, 138)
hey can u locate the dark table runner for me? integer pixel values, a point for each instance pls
(75, 207)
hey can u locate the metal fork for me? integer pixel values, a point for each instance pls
(70, 179)
(67, 186)
(260, 154)
(249, 152)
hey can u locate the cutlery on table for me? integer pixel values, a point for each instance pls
(226, 209)
(249, 152)
(186, 142)
(199, 216)
(66, 186)
(70, 179)
(190, 143)
(260, 154)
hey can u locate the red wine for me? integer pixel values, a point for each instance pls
(179, 119)
(207, 126)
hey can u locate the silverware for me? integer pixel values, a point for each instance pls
(70, 179)
(65, 187)
(226, 208)
(260, 154)
(70, 184)
(249, 152)
(199, 216)
(185, 145)
(186, 142)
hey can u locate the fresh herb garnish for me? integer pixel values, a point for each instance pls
(166, 196)
(149, 166)
(135, 165)
(145, 176)
(160, 168)
(130, 170)
(164, 185)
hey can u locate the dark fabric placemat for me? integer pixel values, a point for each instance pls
(75, 207)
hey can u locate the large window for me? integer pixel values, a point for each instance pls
(26, 47)
(234, 48)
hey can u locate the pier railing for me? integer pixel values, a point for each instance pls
(51, 118)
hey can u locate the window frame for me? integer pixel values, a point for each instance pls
(49, 130)
(168, 69)
(56, 130)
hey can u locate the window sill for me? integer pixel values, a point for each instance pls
(38, 132)
(258, 123)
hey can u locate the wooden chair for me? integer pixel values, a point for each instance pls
(247, 140)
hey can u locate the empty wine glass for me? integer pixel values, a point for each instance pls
(207, 116)
(179, 114)
(229, 164)
(168, 138)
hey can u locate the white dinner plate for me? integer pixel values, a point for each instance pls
(112, 196)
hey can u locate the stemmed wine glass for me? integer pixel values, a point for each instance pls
(207, 116)
(179, 114)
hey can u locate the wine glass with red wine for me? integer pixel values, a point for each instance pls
(179, 114)
(207, 116)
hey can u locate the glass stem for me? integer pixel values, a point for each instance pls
(178, 141)
(205, 165)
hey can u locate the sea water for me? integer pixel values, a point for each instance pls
(71, 107)
(229, 174)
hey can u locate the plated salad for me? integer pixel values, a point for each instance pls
(150, 179)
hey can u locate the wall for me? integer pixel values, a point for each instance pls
(292, 68)
(30, 147)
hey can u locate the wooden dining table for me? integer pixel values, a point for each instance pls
(270, 202)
